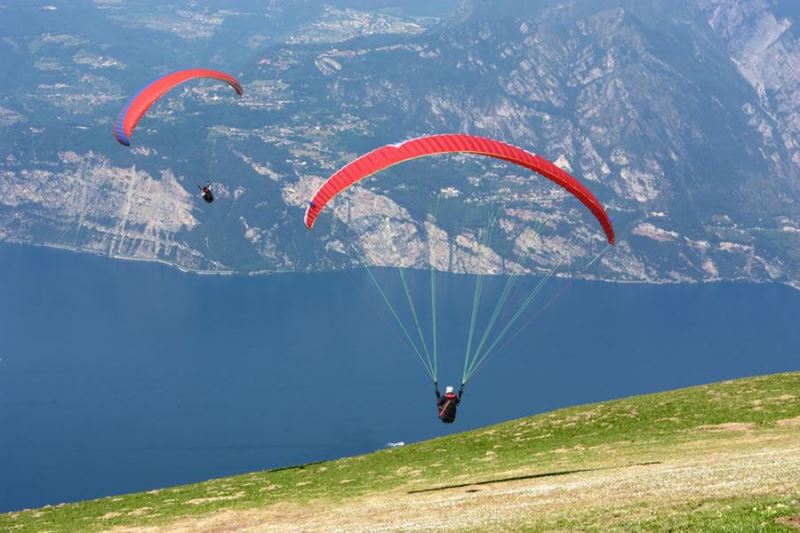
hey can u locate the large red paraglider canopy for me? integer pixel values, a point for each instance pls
(392, 154)
(141, 101)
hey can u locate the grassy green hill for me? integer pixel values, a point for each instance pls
(719, 457)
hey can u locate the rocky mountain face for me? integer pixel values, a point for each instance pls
(681, 116)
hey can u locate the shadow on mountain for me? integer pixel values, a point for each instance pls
(529, 476)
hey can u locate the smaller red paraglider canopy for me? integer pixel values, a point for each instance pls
(147, 96)
(392, 154)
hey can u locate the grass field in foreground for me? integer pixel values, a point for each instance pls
(718, 457)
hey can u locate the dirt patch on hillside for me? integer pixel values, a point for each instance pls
(747, 471)
(728, 426)
(790, 421)
(791, 521)
(200, 501)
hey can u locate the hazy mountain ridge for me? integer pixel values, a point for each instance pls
(674, 114)
(766, 51)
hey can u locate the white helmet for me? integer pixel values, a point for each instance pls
(448, 390)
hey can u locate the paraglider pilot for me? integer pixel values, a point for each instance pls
(206, 193)
(447, 404)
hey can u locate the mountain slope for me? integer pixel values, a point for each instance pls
(723, 456)
(681, 116)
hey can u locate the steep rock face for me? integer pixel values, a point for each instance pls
(92, 205)
(643, 102)
(765, 48)
(762, 40)
(681, 116)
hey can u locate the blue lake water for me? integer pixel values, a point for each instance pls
(121, 376)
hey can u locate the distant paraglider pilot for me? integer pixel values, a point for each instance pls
(206, 193)
(447, 404)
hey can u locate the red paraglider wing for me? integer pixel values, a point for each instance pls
(141, 101)
(389, 155)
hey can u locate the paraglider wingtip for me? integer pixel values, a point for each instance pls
(150, 93)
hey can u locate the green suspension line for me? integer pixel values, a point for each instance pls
(412, 307)
(525, 303)
(583, 269)
(416, 322)
(477, 295)
(425, 361)
(433, 294)
(433, 313)
(479, 362)
(520, 263)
